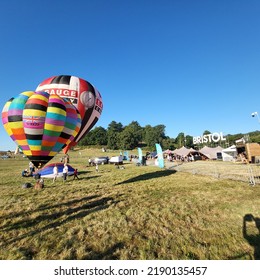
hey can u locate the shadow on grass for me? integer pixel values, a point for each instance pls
(83, 172)
(58, 218)
(48, 207)
(109, 254)
(252, 239)
(148, 176)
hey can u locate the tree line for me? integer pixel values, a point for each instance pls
(133, 135)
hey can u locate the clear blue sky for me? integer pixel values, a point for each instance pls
(192, 65)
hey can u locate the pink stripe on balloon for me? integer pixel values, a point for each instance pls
(54, 122)
(49, 138)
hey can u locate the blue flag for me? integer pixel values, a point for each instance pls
(160, 155)
(140, 155)
(126, 155)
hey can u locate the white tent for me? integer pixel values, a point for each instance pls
(230, 153)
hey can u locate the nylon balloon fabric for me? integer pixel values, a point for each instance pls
(41, 124)
(82, 94)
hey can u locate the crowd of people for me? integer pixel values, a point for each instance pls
(32, 171)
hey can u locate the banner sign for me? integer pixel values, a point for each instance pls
(140, 155)
(208, 138)
(160, 155)
(126, 155)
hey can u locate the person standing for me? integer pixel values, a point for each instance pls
(31, 168)
(65, 172)
(55, 173)
(75, 174)
(96, 167)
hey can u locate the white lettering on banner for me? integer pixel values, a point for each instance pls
(63, 92)
(208, 138)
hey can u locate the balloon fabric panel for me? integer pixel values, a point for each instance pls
(40, 124)
(14, 120)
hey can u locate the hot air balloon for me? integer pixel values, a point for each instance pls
(83, 95)
(41, 124)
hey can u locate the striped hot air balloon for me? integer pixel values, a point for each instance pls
(83, 95)
(41, 124)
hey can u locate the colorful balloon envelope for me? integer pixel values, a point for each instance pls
(83, 95)
(41, 124)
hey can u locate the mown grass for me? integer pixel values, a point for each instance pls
(132, 213)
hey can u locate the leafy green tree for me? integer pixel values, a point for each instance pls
(180, 140)
(130, 136)
(128, 139)
(137, 130)
(115, 126)
(206, 132)
(189, 141)
(153, 135)
(97, 136)
(113, 137)
(168, 143)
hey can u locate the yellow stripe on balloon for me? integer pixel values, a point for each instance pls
(52, 127)
(35, 148)
(28, 93)
(14, 125)
(34, 112)
(56, 110)
(42, 97)
(23, 142)
(8, 129)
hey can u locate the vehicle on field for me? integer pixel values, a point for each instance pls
(101, 160)
(116, 160)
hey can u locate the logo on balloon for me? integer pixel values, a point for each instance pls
(32, 121)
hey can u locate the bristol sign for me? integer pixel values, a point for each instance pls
(208, 138)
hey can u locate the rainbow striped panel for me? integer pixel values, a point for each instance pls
(14, 124)
(40, 124)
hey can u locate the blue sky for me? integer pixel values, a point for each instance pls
(192, 65)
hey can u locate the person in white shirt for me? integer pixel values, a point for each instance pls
(65, 172)
(55, 173)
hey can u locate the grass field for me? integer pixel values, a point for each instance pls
(136, 213)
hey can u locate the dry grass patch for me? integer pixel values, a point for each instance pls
(135, 213)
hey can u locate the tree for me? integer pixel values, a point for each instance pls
(168, 143)
(180, 140)
(137, 130)
(128, 139)
(113, 132)
(115, 126)
(153, 135)
(189, 141)
(206, 132)
(97, 136)
(130, 136)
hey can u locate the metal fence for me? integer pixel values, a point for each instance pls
(222, 170)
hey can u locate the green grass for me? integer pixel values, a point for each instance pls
(137, 213)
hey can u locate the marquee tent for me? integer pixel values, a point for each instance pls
(168, 152)
(211, 153)
(183, 151)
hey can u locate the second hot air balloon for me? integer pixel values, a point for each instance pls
(83, 95)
